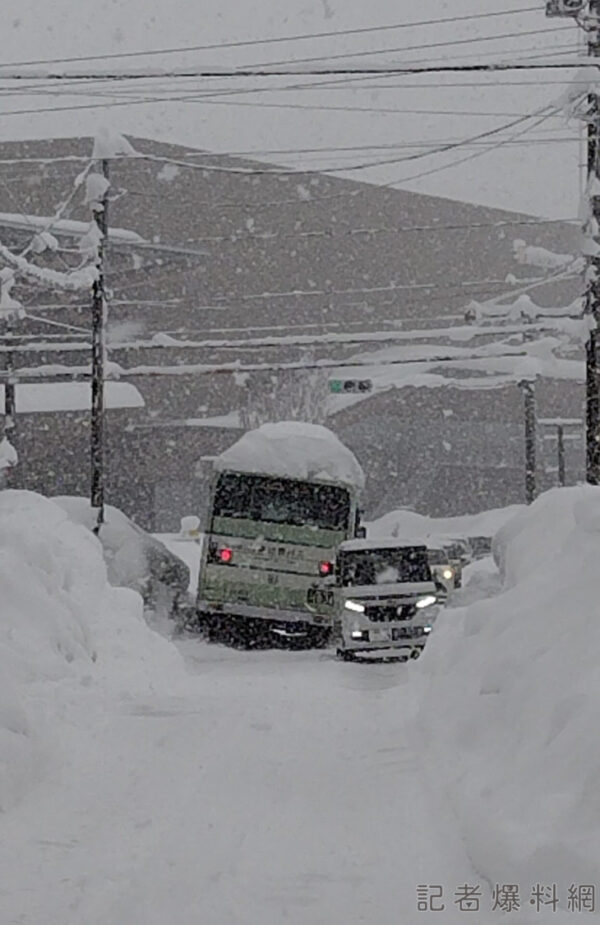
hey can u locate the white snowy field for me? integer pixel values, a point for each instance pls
(221, 787)
(147, 782)
(267, 788)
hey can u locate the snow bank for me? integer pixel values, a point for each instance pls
(8, 455)
(134, 559)
(293, 450)
(509, 700)
(525, 542)
(412, 526)
(61, 626)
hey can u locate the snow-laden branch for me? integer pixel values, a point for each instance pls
(71, 281)
(9, 308)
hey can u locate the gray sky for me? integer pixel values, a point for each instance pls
(535, 169)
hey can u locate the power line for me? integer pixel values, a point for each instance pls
(252, 153)
(381, 70)
(404, 48)
(441, 149)
(363, 338)
(326, 169)
(330, 84)
(463, 160)
(213, 100)
(363, 53)
(187, 369)
(270, 40)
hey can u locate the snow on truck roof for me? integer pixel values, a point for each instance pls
(293, 450)
(366, 545)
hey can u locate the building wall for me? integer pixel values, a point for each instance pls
(348, 255)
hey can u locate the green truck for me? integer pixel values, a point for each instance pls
(281, 501)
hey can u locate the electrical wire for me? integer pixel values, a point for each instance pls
(270, 40)
(264, 65)
(403, 48)
(236, 367)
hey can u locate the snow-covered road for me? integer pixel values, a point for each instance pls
(268, 788)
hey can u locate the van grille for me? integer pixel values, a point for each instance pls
(390, 614)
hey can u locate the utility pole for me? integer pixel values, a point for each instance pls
(592, 299)
(528, 389)
(100, 212)
(587, 14)
(10, 410)
(560, 448)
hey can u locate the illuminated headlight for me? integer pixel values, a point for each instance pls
(426, 601)
(355, 606)
(427, 629)
(360, 634)
(448, 573)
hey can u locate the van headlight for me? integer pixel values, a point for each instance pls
(448, 573)
(355, 606)
(426, 601)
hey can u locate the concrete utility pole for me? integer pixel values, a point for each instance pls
(528, 389)
(560, 449)
(587, 14)
(98, 360)
(592, 301)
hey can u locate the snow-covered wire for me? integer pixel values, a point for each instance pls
(58, 324)
(116, 371)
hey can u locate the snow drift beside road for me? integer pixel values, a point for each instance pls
(134, 559)
(61, 626)
(412, 526)
(509, 694)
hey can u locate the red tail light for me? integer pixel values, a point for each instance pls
(225, 555)
(325, 568)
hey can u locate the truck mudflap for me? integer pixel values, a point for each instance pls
(248, 611)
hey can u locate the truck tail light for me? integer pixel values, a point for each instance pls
(325, 568)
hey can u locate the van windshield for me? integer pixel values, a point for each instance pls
(383, 566)
(284, 501)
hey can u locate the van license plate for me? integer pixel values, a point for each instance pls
(380, 635)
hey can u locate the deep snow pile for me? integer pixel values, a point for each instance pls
(63, 629)
(509, 700)
(134, 559)
(412, 526)
(293, 450)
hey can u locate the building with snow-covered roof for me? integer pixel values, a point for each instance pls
(263, 270)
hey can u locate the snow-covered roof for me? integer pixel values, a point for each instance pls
(293, 450)
(70, 396)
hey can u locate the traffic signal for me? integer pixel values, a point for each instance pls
(345, 386)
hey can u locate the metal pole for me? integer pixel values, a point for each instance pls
(530, 439)
(560, 448)
(98, 360)
(592, 301)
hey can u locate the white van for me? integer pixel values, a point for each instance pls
(385, 598)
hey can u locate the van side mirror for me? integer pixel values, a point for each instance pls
(361, 533)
